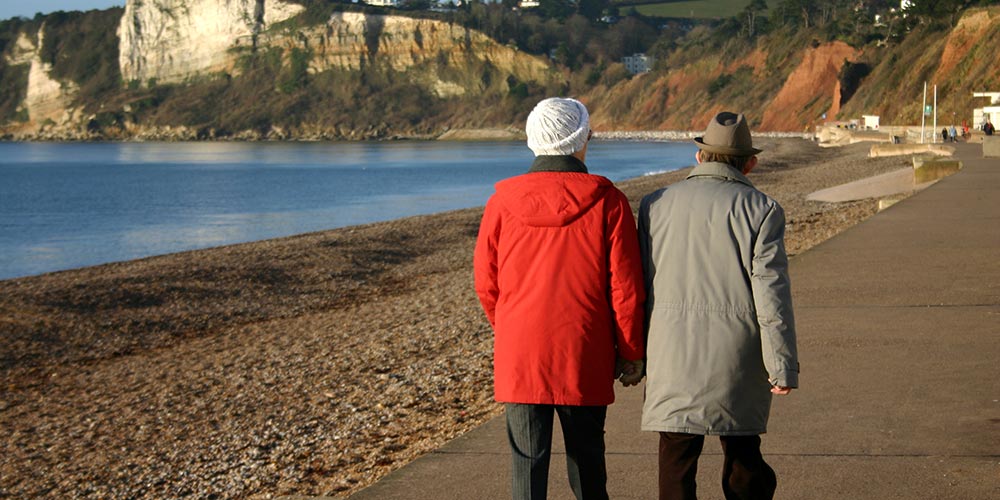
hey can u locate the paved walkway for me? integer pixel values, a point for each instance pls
(899, 340)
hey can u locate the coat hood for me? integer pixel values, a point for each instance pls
(550, 199)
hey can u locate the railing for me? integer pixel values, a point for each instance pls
(681, 135)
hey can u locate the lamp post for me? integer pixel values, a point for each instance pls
(923, 115)
(935, 113)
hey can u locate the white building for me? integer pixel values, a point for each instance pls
(528, 4)
(638, 63)
(991, 112)
(383, 3)
(870, 121)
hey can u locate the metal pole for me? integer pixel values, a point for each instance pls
(923, 116)
(935, 113)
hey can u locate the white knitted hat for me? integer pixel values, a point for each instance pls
(558, 126)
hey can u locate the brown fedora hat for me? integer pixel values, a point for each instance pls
(728, 134)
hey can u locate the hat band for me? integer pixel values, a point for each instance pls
(726, 150)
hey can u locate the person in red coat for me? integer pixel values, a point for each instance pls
(558, 272)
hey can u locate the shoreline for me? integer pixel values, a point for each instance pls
(457, 134)
(39, 251)
(305, 365)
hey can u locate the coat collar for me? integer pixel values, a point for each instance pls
(721, 170)
(557, 163)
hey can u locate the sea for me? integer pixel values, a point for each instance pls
(71, 205)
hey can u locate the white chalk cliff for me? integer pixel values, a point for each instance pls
(183, 41)
(46, 99)
(172, 40)
(350, 40)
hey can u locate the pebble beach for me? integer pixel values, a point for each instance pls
(308, 365)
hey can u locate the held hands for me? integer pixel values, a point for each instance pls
(629, 372)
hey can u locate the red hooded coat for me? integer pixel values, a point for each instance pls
(558, 272)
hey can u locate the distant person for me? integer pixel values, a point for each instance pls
(944, 135)
(720, 328)
(558, 273)
(953, 133)
(988, 127)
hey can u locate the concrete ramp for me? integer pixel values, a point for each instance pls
(835, 137)
(887, 184)
(879, 150)
(925, 171)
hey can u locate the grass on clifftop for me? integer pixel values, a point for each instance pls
(694, 9)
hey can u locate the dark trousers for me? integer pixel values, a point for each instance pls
(529, 431)
(745, 475)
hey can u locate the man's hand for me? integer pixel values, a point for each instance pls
(631, 372)
(781, 391)
(620, 367)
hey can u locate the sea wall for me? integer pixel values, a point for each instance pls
(991, 146)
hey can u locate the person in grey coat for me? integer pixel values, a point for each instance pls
(720, 328)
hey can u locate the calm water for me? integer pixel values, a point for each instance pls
(70, 205)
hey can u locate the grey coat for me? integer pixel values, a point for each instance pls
(719, 306)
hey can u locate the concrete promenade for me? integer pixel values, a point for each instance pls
(899, 338)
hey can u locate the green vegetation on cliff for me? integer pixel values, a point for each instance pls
(82, 47)
(13, 77)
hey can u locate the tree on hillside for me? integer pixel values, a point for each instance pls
(560, 9)
(931, 10)
(813, 13)
(592, 9)
(627, 37)
(752, 13)
(578, 33)
(793, 12)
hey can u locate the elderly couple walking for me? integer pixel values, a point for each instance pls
(696, 299)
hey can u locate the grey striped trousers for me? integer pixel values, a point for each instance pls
(529, 431)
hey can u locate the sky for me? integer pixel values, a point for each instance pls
(28, 8)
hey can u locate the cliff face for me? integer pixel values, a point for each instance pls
(427, 48)
(959, 62)
(47, 101)
(798, 91)
(171, 40)
(225, 50)
(811, 90)
(239, 71)
(686, 97)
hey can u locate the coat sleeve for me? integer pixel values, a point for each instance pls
(772, 296)
(646, 255)
(484, 262)
(628, 294)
